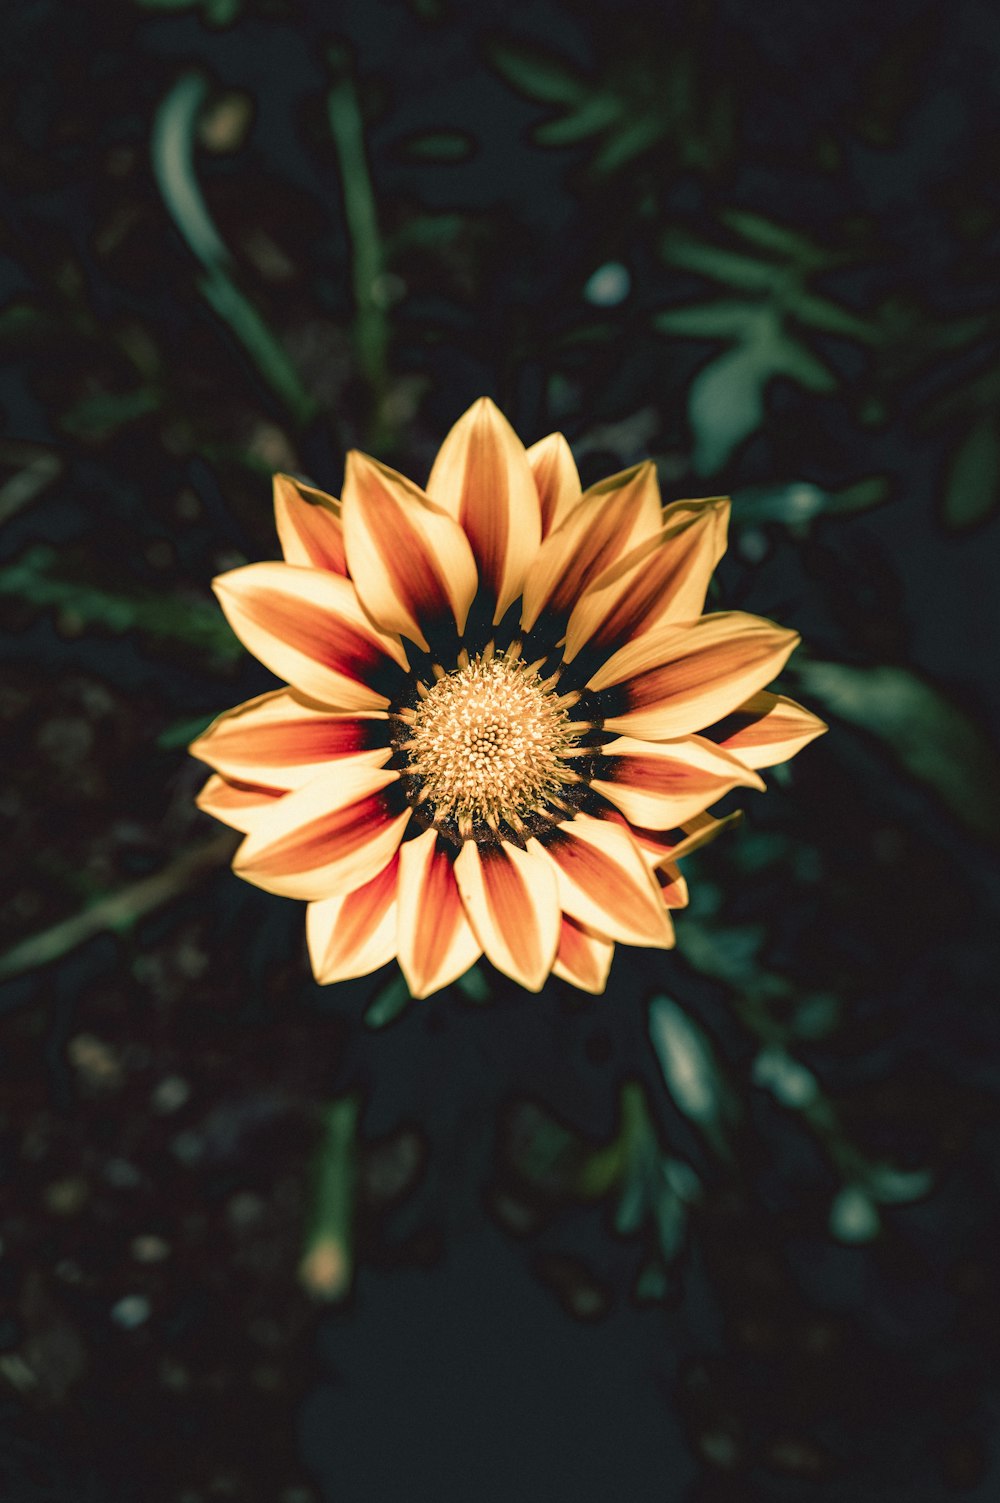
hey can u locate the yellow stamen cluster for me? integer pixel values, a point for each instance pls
(488, 742)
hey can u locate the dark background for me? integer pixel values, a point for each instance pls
(730, 1232)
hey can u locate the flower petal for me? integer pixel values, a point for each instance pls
(308, 523)
(410, 561)
(234, 803)
(766, 729)
(664, 579)
(678, 679)
(610, 518)
(510, 898)
(661, 783)
(355, 934)
(327, 838)
(436, 944)
(693, 834)
(482, 478)
(673, 888)
(309, 628)
(604, 883)
(557, 479)
(281, 740)
(583, 958)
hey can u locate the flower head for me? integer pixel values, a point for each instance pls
(505, 714)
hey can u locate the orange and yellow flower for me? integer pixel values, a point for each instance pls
(505, 714)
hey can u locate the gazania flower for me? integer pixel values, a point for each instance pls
(505, 714)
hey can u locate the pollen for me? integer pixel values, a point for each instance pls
(488, 744)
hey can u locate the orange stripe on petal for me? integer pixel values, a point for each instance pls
(510, 898)
(281, 740)
(310, 629)
(659, 784)
(356, 934)
(665, 579)
(583, 958)
(556, 478)
(237, 804)
(766, 729)
(482, 478)
(327, 838)
(308, 523)
(410, 561)
(673, 888)
(610, 518)
(604, 882)
(678, 679)
(436, 943)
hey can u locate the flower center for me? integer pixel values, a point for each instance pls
(488, 743)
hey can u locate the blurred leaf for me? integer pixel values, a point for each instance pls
(371, 326)
(711, 261)
(105, 413)
(474, 986)
(194, 623)
(726, 404)
(854, 1217)
(440, 146)
(183, 732)
(216, 12)
(172, 150)
(609, 285)
(777, 238)
(801, 501)
(933, 739)
(789, 1082)
(973, 488)
(539, 75)
(828, 317)
(591, 115)
(120, 911)
(327, 1266)
(724, 319)
(390, 1004)
(691, 1070)
(897, 1186)
(727, 953)
(35, 468)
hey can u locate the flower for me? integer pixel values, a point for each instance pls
(505, 714)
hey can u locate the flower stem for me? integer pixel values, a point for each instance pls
(327, 1265)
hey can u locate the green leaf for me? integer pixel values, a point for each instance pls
(973, 487)
(172, 150)
(390, 1003)
(105, 413)
(710, 261)
(725, 319)
(193, 623)
(539, 75)
(623, 145)
(440, 146)
(776, 238)
(690, 1069)
(726, 405)
(792, 359)
(929, 736)
(830, 318)
(591, 116)
(854, 1217)
(789, 1082)
(182, 732)
(801, 501)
